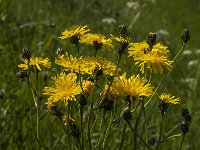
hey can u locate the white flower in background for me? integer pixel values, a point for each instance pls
(193, 63)
(197, 51)
(133, 5)
(187, 52)
(109, 20)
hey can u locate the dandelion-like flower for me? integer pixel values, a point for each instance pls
(87, 86)
(64, 88)
(133, 86)
(155, 59)
(69, 62)
(169, 99)
(154, 62)
(36, 62)
(98, 41)
(112, 93)
(74, 33)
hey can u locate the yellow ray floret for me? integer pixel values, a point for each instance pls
(133, 86)
(169, 99)
(36, 62)
(74, 31)
(98, 41)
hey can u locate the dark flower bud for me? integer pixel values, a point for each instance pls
(123, 31)
(56, 111)
(22, 74)
(75, 130)
(98, 72)
(163, 107)
(188, 118)
(107, 104)
(122, 47)
(184, 127)
(26, 54)
(151, 39)
(127, 115)
(185, 35)
(185, 112)
(82, 100)
(59, 51)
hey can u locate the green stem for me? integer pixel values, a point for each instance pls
(145, 124)
(160, 134)
(37, 107)
(105, 95)
(82, 132)
(171, 137)
(181, 142)
(166, 74)
(123, 135)
(68, 128)
(138, 136)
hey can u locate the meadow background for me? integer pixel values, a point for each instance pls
(37, 24)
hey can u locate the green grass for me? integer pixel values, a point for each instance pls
(37, 24)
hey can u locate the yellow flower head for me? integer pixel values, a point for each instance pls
(74, 33)
(69, 62)
(153, 61)
(112, 93)
(87, 86)
(136, 49)
(133, 86)
(169, 99)
(90, 64)
(36, 62)
(98, 41)
(64, 88)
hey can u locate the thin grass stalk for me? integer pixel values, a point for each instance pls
(123, 135)
(68, 130)
(160, 133)
(171, 137)
(82, 132)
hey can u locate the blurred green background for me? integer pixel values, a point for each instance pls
(37, 24)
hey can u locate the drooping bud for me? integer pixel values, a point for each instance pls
(184, 127)
(26, 54)
(186, 115)
(75, 130)
(59, 51)
(123, 31)
(127, 115)
(151, 40)
(22, 74)
(122, 46)
(185, 35)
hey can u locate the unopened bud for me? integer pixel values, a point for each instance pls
(151, 39)
(185, 35)
(123, 31)
(59, 51)
(26, 54)
(107, 104)
(75, 130)
(22, 74)
(127, 115)
(82, 100)
(184, 127)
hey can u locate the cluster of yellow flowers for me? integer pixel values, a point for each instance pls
(68, 84)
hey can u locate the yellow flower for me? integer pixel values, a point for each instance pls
(74, 33)
(87, 86)
(98, 41)
(153, 61)
(133, 86)
(90, 64)
(64, 88)
(169, 99)
(69, 62)
(36, 62)
(112, 93)
(136, 49)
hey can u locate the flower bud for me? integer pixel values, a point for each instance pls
(107, 104)
(151, 39)
(26, 54)
(123, 31)
(22, 74)
(184, 127)
(59, 51)
(127, 115)
(122, 47)
(185, 112)
(82, 100)
(56, 111)
(75, 130)
(185, 35)
(186, 115)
